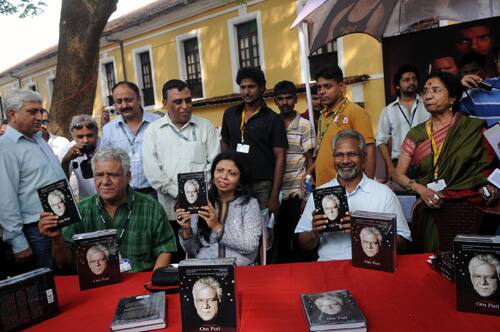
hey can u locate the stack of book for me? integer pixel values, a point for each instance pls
(443, 263)
(27, 299)
(333, 311)
(207, 294)
(477, 273)
(140, 313)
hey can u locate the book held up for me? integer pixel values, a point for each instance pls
(192, 191)
(332, 202)
(58, 199)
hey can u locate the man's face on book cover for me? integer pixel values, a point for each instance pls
(97, 261)
(191, 191)
(56, 202)
(370, 244)
(329, 305)
(484, 279)
(206, 303)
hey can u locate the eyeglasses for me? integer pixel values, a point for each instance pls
(90, 125)
(433, 91)
(127, 100)
(179, 101)
(348, 155)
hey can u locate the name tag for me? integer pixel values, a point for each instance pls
(437, 185)
(243, 148)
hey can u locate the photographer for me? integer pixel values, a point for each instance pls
(77, 154)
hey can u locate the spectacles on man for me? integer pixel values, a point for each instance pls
(127, 100)
(348, 155)
(88, 125)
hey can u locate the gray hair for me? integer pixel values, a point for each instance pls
(332, 198)
(107, 154)
(98, 248)
(15, 98)
(329, 297)
(77, 119)
(353, 134)
(207, 282)
(373, 230)
(192, 182)
(485, 259)
(55, 193)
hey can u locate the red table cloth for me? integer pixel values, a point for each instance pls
(414, 298)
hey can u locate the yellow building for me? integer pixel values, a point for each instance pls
(205, 42)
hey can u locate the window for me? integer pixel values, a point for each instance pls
(193, 67)
(146, 78)
(327, 54)
(51, 81)
(248, 44)
(109, 71)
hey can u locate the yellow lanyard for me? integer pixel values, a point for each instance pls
(436, 151)
(242, 124)
(339, 109)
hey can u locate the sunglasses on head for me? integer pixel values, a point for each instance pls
(91, 126)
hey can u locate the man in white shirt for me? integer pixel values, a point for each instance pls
(75, 156)
(400, 116)
(177, 143)
(55, 142)
(363, 193)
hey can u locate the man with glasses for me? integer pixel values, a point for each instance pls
(363, 193)
(127, 131)
(27, 163)
(56, 143)
(75, 156)
(178, 143)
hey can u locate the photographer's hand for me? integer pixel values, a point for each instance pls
(73, 152)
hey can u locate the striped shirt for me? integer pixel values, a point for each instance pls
(147, 235)
(300, 140)
(117, 134)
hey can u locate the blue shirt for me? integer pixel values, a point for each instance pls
(26, 164)
(117, 134)
(483, 104)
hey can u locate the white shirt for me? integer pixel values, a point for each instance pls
(56, 143)
(369, 195)
(80, 186)
(167, 151)
(395, 122)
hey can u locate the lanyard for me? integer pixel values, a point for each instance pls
(339, 109)
(243, 124)
(182, 136)
(409, 122)
(436, 150)
(131, 142)
(127, 221)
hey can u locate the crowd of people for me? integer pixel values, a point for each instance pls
(126, 179)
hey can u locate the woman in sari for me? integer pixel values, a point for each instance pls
(231, 224)
(448, 156)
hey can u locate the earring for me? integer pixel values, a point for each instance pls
(239, 187)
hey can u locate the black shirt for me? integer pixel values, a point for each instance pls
(263, 132)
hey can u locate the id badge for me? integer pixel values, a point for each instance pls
(243, 148)
(135, 157)
(124, 264)
(437, 185)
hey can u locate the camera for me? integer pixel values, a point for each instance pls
(111, 110)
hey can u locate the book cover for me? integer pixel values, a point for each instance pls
(332, 310)
(192, 191)
(58, 198)
(207, 295)
(27, 299)
(374, 240)
(477, 272)
(332, 202)
(144, 312)
(97, 258)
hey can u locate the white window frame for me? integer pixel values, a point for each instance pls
(50, 87)
(179, 40)
(233, 42)
(138, 75)
(102, 73)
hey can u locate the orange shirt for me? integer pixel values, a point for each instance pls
(353, 117)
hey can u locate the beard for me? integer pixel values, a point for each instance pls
(347, 172)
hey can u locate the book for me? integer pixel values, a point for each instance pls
(373, 241)
(58, 199)
(27, 299)
(332, 202)
(477, 272)
(97, 258)
(192, 191)
(140, 313)
(443, 263)
(207, 294)
(333, 310)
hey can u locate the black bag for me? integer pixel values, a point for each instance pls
(165, 276)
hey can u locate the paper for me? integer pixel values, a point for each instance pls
(494, 178)
(492, 134)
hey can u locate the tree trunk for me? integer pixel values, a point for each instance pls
(80, 29)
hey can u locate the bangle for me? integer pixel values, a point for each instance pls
(410, 184)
